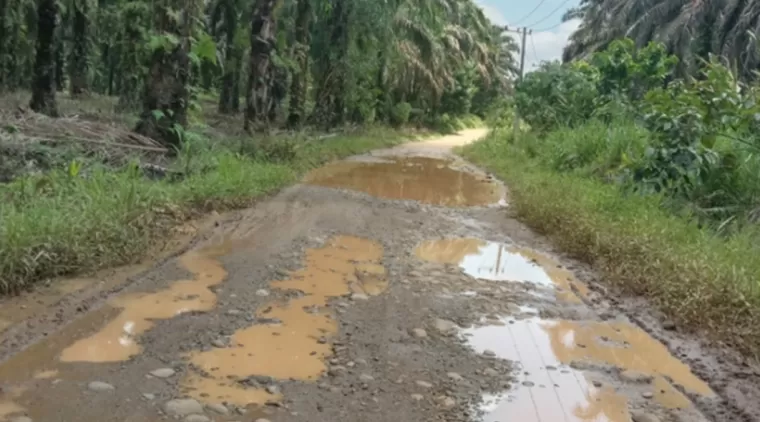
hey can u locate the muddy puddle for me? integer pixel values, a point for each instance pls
(48, 295)
(117, 340)
(291, 340)
(8, 405)
(555, 382)
(428, 180)
(501, 262)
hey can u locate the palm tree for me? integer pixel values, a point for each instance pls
(166, 92)
(79, 63)
(690, 29)
(224, 24)
(260, 72)
(301, 50)
(44, 86)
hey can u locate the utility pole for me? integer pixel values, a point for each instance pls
(523, 32)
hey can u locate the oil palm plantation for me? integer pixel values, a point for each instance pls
(324, 62)
(690, 29)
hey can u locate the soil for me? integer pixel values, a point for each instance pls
(394, 286)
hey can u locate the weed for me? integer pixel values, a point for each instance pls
(701, 281)
(75, 219)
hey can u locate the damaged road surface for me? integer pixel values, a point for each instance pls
(393, 286)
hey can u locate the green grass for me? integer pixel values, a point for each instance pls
(74, 220)
(703, 282)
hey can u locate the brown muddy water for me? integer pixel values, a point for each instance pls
(572, 367)
(500, 262)
(293, 346)
(116, 341)
(552, 356)
(551, 389)
(428, 180)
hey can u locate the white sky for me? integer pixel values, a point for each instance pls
(550, 34)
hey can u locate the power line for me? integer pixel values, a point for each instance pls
(550, 13)
(549, 28)
(531, 12)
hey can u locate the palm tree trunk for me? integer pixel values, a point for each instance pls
(330, 107)
(78, 64)
(4, 45)
(166, 86)
(60, 59)
(301, 53)
(43, 87)
(227, 102)
(260, 74)
(130, 60)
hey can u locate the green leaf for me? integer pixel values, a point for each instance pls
(204, 48)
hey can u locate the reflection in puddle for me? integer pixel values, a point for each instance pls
(500, 262)
(553, 391)
(416, 178)
(296, 347)
(116, 341)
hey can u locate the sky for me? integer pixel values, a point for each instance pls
(549, 32)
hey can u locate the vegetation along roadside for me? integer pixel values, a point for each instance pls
(142, 113)
(653, 179)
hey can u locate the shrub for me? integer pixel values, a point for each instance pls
(400, 113)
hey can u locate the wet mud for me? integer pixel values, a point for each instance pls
(500, 262)
(404, 294)
(549, 353)
(293, 344)
(429, 180)
(116, 341)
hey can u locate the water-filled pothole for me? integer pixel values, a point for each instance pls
(116, 341)
(423, 179)
(552, 387)
(295, 346)
(502, 262)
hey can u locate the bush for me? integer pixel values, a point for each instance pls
(400, 113)
(700, 281)
(557, 95)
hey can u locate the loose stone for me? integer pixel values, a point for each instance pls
(163, 373)
(100, 386)
(183, 407)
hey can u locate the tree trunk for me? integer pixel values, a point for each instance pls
(227, 103)
(235, 100)
(130, 60)
(43, 87)
(60, 60)
(301, 53)
(258, 95)
(4, 45)
(78, 69)
(330, 102)
(229, 98)
(279, 91)
(166, 85)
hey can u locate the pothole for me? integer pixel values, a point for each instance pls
(428, 180)
(116, 341)
(296, 347)
(561, 370)
(501, 262)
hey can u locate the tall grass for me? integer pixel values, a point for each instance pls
(79, 219)
(705, 282)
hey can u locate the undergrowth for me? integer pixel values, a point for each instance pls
(82, 217)
(699, 279)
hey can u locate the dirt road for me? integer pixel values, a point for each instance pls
(390, 287)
